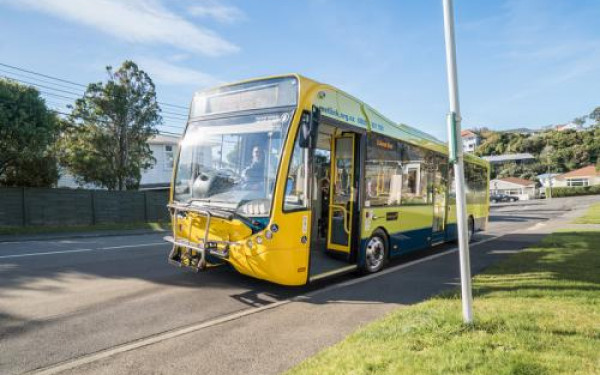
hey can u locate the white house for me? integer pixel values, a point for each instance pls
(547, 179)
(510, 158)
(569, 126)
(524, 189)
(164, 150)
(586, 176)
(470, 141)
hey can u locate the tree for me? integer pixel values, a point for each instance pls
(580, 120)
(106, 142)
(595, 115)
(28, 130)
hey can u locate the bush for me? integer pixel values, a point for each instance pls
(573, 191)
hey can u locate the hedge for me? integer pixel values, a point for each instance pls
(572, 191)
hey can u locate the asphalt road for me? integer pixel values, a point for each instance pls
(113, 305)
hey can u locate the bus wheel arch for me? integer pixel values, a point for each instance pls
(376, 251)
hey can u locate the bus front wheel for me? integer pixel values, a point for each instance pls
(375, 252)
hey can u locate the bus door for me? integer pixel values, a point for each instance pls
(440, 199)
(342, 199)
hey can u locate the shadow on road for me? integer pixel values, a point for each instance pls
(408, 286)
(418, 283)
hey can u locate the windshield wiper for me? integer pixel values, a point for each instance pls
(230, 211)
(237, 215)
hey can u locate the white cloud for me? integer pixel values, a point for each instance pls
(216, 10)
(165, 73)
(178, 57)
(137, 21)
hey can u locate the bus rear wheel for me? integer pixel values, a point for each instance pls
(375, 252)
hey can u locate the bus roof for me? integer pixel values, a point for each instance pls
(341, 106)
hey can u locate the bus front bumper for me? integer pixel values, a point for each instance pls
(193, 256)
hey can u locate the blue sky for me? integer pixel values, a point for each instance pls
(521, 62)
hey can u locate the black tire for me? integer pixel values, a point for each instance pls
(376, 253)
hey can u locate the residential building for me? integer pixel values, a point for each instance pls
(525, 131)
(164, 150)
(547, 179)
(524, 189)
(470, 141)
(66, 180)
(499, 162)
(510, 158)
(586, 176)
(569, 126)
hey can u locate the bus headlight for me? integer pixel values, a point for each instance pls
(268, 234)
(259, 240)
(249, 243)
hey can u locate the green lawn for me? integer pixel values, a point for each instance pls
(592, 216)
(538, 312)
(158, 227)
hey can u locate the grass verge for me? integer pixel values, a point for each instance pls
(592, 216)
(537, 312)
(158, 227)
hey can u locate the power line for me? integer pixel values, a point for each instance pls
(42, 86)
(35, 78)
(105, 121)
(73, 83)
(42, 75)
(170, 115)
(42, 89)
(77, 95)
(174, 113)
(5, 100)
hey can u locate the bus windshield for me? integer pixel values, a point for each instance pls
(231, 162)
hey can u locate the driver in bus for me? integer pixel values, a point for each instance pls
(254, 174)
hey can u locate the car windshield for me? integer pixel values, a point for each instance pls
(231, 162)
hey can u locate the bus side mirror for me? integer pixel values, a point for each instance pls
(308, 128)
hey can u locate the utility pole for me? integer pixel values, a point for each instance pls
(456, 157)
(549, 174)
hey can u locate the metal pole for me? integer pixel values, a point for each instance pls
(456, 156)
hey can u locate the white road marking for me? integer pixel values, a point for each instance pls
(80, 250)
(504, 251)
(81, 238)
(536, 226)
(106, 353)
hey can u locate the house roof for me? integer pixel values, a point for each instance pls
(508, 157)
(547, 175)
(517, 181)
(164, 139)
(588, 171)
(467, 133)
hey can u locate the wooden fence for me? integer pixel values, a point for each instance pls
(45, 206)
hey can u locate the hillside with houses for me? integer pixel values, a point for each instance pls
(525, 161)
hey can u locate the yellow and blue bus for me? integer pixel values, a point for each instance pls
(290, 180)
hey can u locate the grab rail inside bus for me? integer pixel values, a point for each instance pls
(345, 212)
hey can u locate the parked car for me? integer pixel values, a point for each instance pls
(495, 198)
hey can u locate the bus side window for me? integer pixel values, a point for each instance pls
(383, 172)
(415, 175)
